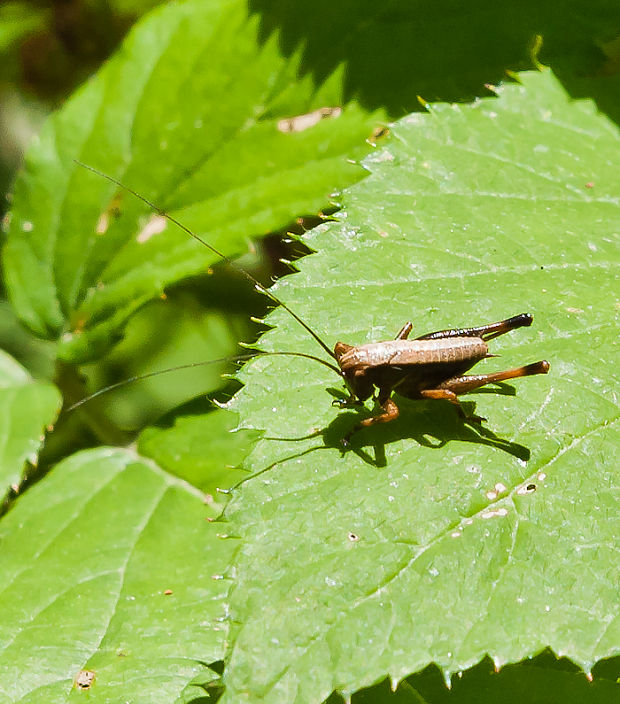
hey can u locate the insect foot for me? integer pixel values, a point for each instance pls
(347, 402)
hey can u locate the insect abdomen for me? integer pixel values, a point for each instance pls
(412, 352)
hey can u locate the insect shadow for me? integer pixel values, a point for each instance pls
(428, 423)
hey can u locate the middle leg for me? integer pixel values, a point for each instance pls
(442, 394)
(390, 412)
(404, 331)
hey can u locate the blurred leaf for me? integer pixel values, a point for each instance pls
(109, 567)
(134, 7)
(430, 540)
(27, 407)
(36, 355)
(201, 449)
(160, 336)
(189, 113)
(19, 19)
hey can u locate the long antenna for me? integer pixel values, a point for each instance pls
(228, 260)
(221, 360)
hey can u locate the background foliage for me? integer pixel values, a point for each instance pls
(429, 545)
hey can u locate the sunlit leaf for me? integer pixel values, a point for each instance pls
(27, 407)
(429, 540)
(194, 113)
(112, 580)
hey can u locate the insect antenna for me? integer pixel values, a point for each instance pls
(227, 259)
(191, 365)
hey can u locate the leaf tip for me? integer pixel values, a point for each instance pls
(424, 103)
(534, 51)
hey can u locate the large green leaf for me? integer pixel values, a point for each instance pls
(109, 567)
(430, 540)
(27, 407)
(189, 113)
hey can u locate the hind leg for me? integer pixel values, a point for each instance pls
(464, 384)
(450, 389)
(486, 332)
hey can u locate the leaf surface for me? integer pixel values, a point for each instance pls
(17, 20)
(27, 407)
(430, 540)
(202, 449)
(109, 567)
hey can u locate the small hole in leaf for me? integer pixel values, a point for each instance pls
(84, 679)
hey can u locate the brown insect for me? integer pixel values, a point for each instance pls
(432, 366)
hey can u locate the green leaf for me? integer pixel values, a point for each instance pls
(109, 567)
(202, 449)
(17, 20)
(160, 337)
(542, 680)
(27, 408)
(430, 540)
(189, 113)
(396, 51)
(133, 7)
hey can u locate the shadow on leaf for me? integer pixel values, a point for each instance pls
(431, 424)
(444, 52)
(544, 678)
